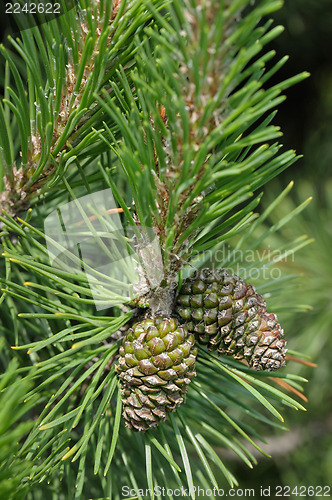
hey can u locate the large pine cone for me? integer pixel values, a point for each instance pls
(156, 364)
(229, 316)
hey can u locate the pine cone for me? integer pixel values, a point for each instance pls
(227, 314)
(156, 364)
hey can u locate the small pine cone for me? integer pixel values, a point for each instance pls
(156, 364)
(227, 314)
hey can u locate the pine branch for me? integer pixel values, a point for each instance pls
(189, 140)
(54, 119)
(77, 353)
(193, 136)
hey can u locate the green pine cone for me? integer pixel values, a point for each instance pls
(227, 315)
(156, 364)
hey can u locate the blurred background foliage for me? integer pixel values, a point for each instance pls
(304, 454)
